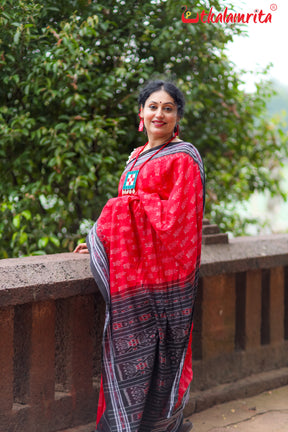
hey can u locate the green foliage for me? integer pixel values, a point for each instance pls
(278, 103)
(70, 76)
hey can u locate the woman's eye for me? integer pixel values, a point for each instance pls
(154, 107)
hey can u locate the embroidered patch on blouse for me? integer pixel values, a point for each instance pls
(130, 182)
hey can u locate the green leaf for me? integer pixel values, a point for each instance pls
(17, 221)
(38, 252)
(42, 242)
(23, 238)
(55, 241)
(17, 36)
(27, 214)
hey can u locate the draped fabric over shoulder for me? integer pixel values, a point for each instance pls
(145, 255)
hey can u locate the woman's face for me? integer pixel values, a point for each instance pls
(160, 115)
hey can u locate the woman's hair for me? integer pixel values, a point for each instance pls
(170, 88)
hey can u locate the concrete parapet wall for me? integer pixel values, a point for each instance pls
(51, 320)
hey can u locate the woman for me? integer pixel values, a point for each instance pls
(145, 255)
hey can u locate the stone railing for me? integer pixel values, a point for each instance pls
(51, 320)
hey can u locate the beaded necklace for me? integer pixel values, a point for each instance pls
(129, 186)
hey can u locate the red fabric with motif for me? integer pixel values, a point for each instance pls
(154, 236)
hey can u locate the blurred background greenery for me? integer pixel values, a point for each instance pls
(70, 76)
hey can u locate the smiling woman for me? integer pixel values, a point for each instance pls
(145, 255)
(160, 116)
(162, 105)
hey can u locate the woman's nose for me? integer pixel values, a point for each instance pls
(159, 112)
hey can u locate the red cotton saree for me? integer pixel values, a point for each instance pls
(145, 255)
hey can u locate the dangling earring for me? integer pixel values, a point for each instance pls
(177, 129)
(141, 124)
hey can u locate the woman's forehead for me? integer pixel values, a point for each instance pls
(161, 97)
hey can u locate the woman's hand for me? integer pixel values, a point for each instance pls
(81, 248)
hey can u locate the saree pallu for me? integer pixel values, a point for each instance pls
(145, 254)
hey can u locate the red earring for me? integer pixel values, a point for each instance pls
(177, 130)
(141, 124)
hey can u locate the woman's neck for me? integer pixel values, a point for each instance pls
(155, 142)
